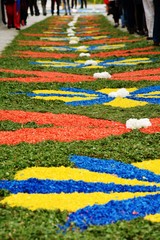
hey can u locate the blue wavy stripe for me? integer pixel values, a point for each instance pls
(34, 185)
(30, 94)
(114, 211)
(147, 91)
(59, 48)
(118, 168)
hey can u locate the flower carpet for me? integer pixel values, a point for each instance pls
(80, 132)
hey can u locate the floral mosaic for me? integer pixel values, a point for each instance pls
(99, 63)
(66, 127)
(122, 192)
(39, 76)
(83, 97)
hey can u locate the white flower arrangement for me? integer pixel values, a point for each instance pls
(102, 75)
(91, 62)
(74, 38)
(122, 92)
(71, 34)
(70, 30)
(84, 55)
(81, 47)
(73, 42)
(134, 123)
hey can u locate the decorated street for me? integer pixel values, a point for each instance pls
(79, 131)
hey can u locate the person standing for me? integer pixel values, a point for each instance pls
(156, 29)
(139, 17)
(149, 16)
(84, 2)
(129, 15)
(53, 6)
(67, 7)
(115, 11)
(43, 3)
(33, 7)
(74, 3)
(13, 13)
(23, 12)
(2, 13)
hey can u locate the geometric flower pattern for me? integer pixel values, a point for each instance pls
(83, 97)
(100, 64)
(97, 191)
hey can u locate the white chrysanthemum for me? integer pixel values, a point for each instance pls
(91, 62)
(81, 47)
(134, 123)
(70, 30)
(73, 42)
(72, 23)
(74, 38)
(71, 34)
(84, 55)
(74, 10)
(75, 18)
(102, 75)
(122, 92)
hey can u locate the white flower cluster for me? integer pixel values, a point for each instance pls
(122, 92)
(71, 32)
(134, 123)
(102, 75)
(84, 55)
(91, 62)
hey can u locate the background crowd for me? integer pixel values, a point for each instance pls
(15, 12)
(138, 16)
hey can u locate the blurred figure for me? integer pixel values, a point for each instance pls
(149, 16)
(129, 15)
(140, 24)
(74, 3)
(53, 6)
(43, 3)
(156, 29)
(23, 12)
(2, 13)
(114, 9)
(83, 3)
(67, 7)
(13, 13)
(33, 7)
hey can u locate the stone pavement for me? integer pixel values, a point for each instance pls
(7, 35)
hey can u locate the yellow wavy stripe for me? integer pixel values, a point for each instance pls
(64, 99)
(66, 173)
(109, 90)
(153, 218)
(151, 165)
(70, 202)
(149, 95)
(125, 103)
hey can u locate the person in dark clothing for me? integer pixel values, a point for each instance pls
(23, 12)
(13, 13)
(83, 3)
(34, 7)
(43, 3)
(74, 3)
(115, 10)
(139, 17)
(2, 14)
(129, 15)
(156, 29)
(67, 7)
(53, 6)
